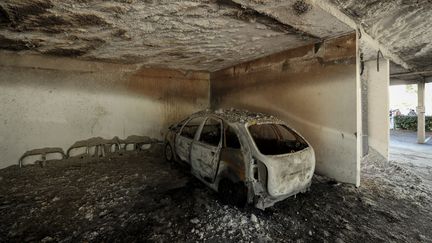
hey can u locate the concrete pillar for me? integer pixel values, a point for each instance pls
(378, 120)
(421, 129)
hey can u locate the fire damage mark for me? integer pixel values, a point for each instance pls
(82, 45)
(35, 13)
(82, 19)
(54, 23)
(47, 23)
(15, 44)
(93, 148)
(4, 16)
(37, 16)
(69, 51)
(17, 11)
(60, 51)
(200, 32)
(251, 15)
(301, 7)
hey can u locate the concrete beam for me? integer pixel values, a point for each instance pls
(407, 74)
(334, 10)
(421, 129)
(395, 81)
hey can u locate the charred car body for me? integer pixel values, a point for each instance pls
(246, 157)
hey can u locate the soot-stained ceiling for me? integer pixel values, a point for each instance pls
(194, 35)
(403, 26)
(206, 34)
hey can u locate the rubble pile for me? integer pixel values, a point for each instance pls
(140, 197)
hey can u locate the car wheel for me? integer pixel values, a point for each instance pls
(233, 193)
(169, 155)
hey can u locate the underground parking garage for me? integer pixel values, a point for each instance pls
(115, 75)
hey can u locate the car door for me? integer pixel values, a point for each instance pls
(184, 139)
(231, 153)
(205, 150)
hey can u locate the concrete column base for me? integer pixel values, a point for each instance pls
(421, 129)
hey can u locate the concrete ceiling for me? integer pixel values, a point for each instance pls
(403, 26)
(193, 35)
(208, 34)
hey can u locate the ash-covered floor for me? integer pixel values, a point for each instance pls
(143, 198)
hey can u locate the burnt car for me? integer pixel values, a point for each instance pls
(246, 157)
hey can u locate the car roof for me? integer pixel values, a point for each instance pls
(239, 116)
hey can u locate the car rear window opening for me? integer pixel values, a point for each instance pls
(274, 139)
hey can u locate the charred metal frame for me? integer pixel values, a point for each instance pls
(102, 148)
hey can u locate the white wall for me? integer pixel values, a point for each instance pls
(317, 93)
(53, 102)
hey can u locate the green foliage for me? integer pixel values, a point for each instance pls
(411, 89)
(410, 123)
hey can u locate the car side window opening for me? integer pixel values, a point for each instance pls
(273, 139)
(211, 132)
(191, 127)
(231, 139)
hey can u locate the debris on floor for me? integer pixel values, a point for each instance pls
(140, 197)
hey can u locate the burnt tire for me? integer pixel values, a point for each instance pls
(232, 193)
(169, 153)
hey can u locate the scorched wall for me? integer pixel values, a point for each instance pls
(313, 88)
(53, 102)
